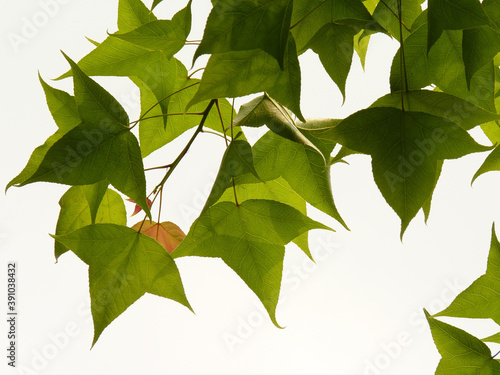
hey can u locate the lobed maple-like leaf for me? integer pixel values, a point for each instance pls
(461, 352)
(123, 266)
(168, 234)
(100, 148)
(405, 149)
(250, 238)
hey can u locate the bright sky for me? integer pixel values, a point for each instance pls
(357, 311)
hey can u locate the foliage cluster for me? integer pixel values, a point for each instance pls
(445, 81)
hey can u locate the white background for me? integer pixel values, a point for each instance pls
(358, 311)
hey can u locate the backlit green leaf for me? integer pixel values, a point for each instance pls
(133, 14)
(309, 16)
(334, 45)
(492, 163)
(386, 14)
(461, 352)
(249, 238)
(123, 266)
(245, 25)
(463, 113)
(62, 106)
(237, 160)
(77, 206)
(302, 167)
(453, 15)
(235, 74)
(479, 45)
(168, 36)
(276, 190)
(405, 148)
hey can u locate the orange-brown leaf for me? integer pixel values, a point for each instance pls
(168, 234)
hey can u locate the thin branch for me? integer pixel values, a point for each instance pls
(170, 114)
(161, 167)
(188, 145)
(402, 65)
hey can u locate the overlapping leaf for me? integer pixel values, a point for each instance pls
(309, 16)
(479, 45)
(463, 113)
(443, 66)
(334, 45)
(100, 148)
(277, 190)
(237, 161)
(168, 36)
(85, 205)
(249, 238)
(167, 234)
(153, 133)
(482, 298)
(302, 167)
(405, 148)
(386, 14)
(453, 15)
(461, 352)
(123, 266)
(133, 14)
(235, 74)
(245, 25)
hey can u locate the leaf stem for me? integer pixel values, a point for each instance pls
(183, 153)
(161, 167)
(170, 114)
(196, 71)
(402, 61)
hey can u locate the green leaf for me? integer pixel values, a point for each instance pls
(405, 148)
(95, 104)
(116, 57)
(133, 14)
(245, 25)
(334, 45)
(492, 163)
(78, 204)
(123, 266)
(237, 161)
(155, 3)
(482, 298)
(492, 11)
(386, 14)
(276, 190)
(101, 148)
(249, 238)
(318, 132)
(361, 46)
(463, 113)
(235, 74)
(309, 16)
(153, 134)
(302, 167)
(62, 106)
(168, 36)
(453, 15)
(263, 110)
(479, 46)
(493, 338)
(443, 66)
(461, 352)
